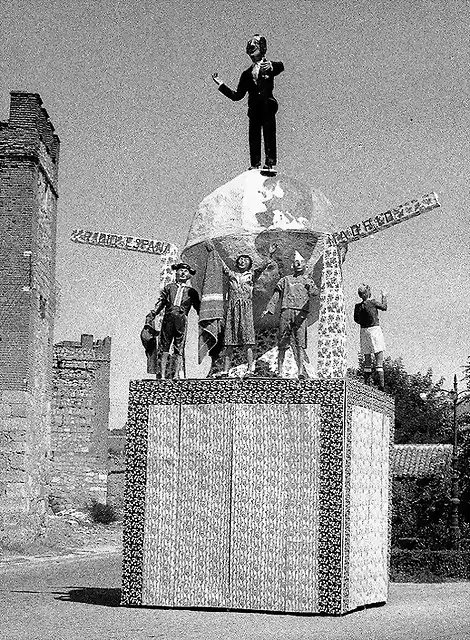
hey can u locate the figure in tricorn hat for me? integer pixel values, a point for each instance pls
(176, 298)
(258, 82)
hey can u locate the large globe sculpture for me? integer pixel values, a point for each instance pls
(247, 215)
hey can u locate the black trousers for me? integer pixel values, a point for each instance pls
(173, 330)
(264, 120)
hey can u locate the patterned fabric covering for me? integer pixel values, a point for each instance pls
(332, 320)
(267, 495)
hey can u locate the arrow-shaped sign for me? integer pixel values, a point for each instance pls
(388, 219)
(127, 243)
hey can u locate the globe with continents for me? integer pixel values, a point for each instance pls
(250, 214)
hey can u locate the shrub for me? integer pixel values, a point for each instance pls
(102, 513)
(421, 512)
(429, 566)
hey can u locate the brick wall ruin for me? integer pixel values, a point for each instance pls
(29, 161)
(80, 422)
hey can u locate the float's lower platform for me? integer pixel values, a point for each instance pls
(259, 494)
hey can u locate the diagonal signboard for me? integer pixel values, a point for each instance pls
(127, 243)
(350, 234)
(388, 219)
(334, 364)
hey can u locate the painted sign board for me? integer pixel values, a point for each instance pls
(388, 219)
(127, 243)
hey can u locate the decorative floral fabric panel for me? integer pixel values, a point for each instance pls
(265, 494)
(274, 507)
(161, 505)
(369, 501)
(331, 346)
(203, 517)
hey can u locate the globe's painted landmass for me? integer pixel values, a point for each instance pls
(247, 215)
(252, 213)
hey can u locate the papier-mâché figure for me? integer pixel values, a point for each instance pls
(371, 337)
(258, 82)
(239, 328)
(294, 292)
(176, 299)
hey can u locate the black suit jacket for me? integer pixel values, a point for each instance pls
(260, 93)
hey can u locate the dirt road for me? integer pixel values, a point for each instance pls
(77, 598)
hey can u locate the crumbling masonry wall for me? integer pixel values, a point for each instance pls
(80, 422)
(116, 469)
(29, 162)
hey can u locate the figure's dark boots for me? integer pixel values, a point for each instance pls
(380, 375)
(368, 377)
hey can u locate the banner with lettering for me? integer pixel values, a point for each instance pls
(388, 219)
(127, 243)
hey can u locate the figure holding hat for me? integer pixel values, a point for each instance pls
(258, 82)
(294, 293)
(176, 298)
(371, 337)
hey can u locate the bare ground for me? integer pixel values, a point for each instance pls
(68, 532)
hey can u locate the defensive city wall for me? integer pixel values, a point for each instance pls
(29, 161)
(80, 406)
(53, 404)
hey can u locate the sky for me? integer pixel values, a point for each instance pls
(373, 112)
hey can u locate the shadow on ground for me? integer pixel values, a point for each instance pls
(93, 595)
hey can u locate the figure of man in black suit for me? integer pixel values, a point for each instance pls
(258, 82)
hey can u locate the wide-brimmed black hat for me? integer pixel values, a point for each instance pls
(183, 265)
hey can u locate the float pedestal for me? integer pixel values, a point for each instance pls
(257, 494)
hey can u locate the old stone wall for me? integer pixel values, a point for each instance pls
(116, 468)
(80, 421)
(29, 157)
